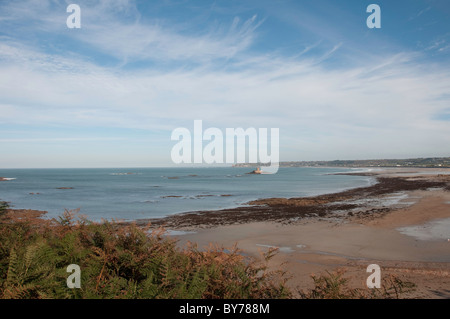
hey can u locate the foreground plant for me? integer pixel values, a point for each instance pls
(127, 261)
(122, 261)
(333, 285)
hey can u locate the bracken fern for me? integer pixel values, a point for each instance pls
(120, 261)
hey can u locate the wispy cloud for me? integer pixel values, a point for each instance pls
(63, 139)
(114, 28)
(420, 13)
(391, 88)
(153, 42)
(357, 106)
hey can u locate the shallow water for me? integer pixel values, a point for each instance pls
(434, 230)
(140, 193)
(283, 249)
(172, 232)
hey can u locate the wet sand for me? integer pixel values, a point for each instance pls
(347, 230)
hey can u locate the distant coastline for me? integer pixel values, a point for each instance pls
(426, 162)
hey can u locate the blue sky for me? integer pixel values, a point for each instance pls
(110, 94)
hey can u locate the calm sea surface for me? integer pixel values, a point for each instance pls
(155, 192)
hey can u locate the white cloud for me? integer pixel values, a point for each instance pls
(115, 29)
(59, 139)
(288, 93)
(386, 104)
(153, 42)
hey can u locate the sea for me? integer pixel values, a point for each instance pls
(139, 193)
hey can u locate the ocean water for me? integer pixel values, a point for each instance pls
(136, 193)
(437, 230)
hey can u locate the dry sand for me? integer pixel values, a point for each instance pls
(313, 245)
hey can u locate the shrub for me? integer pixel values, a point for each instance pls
(333, 285)
(3, 207)
(127, 261)
(122, 261)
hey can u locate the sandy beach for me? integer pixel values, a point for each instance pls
(402, 224)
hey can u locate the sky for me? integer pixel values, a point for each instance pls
(109, 94)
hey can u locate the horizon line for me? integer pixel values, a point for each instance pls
(203, 165)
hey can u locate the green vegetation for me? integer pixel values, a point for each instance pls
(126, 261)
(3, 207)
(333, 285)
(429, 162)
(121, 261)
